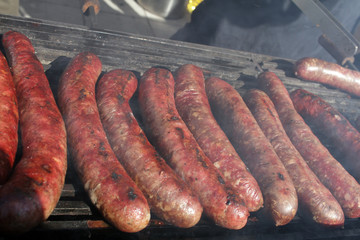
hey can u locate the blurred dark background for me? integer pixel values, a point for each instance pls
(271, 27)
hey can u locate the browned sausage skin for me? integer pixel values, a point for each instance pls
(332, 74)
(315, 199)
(280, 198)
(171, 137)
(169, 197)
(333, 125)
(194, 108)
(34, 188)
(329, 171)
(8, 121)
(109, 186)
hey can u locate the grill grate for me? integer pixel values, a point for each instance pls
(74, 216)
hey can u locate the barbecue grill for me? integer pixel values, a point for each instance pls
(74, 215)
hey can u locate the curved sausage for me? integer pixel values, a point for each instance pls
(107, 183)
(330, 172)
(173, 140)
(9, 121)
(333, 125)
(194, 108)
(315, 200)
(169, 197)
(332, 74)
(34, 188)
(280, 198)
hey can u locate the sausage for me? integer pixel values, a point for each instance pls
(330, 172)
(315, 200)
(332, 125)
(173, 140)
(194, 108)
(34, 187)
(8, 122)
(105, 180)
(280, 199)
(169, 197)
(332, 74)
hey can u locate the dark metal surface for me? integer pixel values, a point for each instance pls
(75, 217)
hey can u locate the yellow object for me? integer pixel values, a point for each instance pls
(192, 5)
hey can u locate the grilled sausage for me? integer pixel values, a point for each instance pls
(332, 125)
(193, 106)
(107, 183)
(173, 140)
(313, 196)
(330, 172)
(9, 121)
(34, 188)
(332, 74)
(168, 196)
(280, 198)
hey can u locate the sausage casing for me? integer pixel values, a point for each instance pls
(34, 188)
(337, 130)
(280, 198)
(171, 137)
(9, 120)
(332, 74)
(194, 108)
(330, 172)
(105, 180)
(315, 200)
(169, 197)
